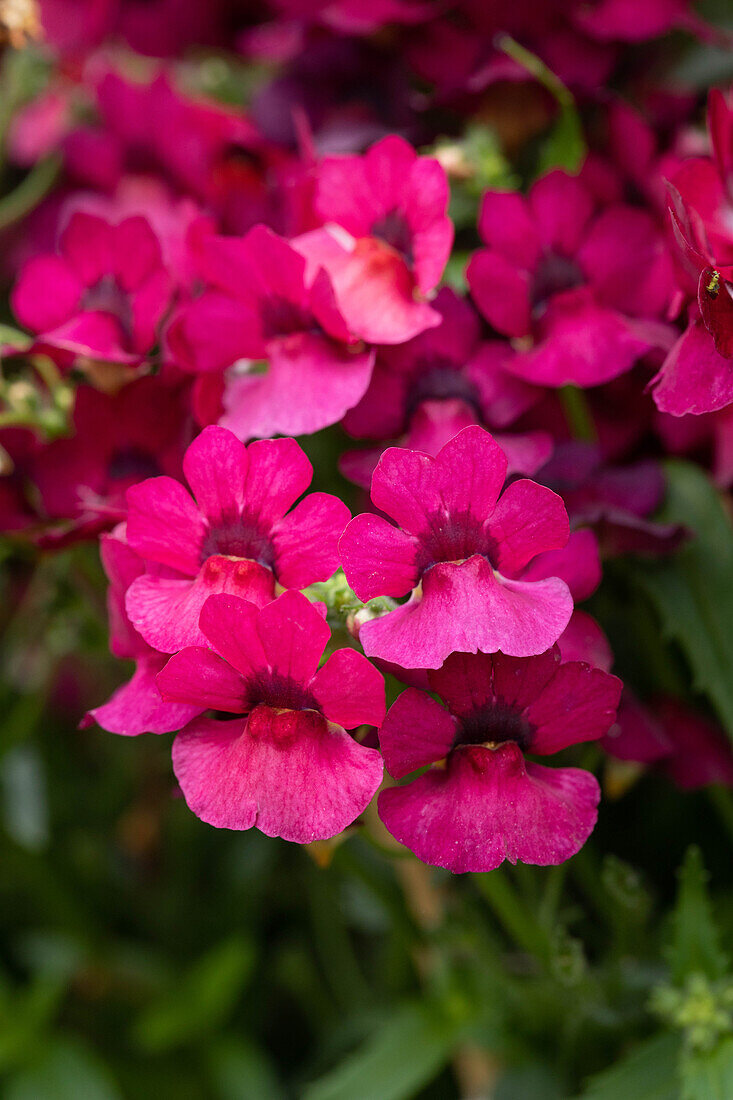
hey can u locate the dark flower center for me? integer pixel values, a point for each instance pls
(453, 537)
(243, 538)
(106, 296)
(440, 380)
(281, 692)
(494, 724)
(131, 463)
(283, 318)
(394, 231)
(554, 274)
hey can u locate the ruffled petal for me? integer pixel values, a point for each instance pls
(488, 806)
(290, 774)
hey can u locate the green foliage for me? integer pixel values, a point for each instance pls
(695, 947)
(692, 591)
(409, 1048)
(648, 1072)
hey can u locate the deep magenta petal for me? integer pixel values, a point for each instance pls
(215, 467)
(166, 610)
(417, 731)
(464, 608)
(137, 707)
(378, 559)
(577, 704)
(488, 806)
(294, 635)
(164, 524)
(694, 377)
(290, 774)
(349, 690)
(528, 520)
(306, 540)
(202, 678)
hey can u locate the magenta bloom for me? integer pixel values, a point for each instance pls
(288, 766)
(137, 706)
(234, 537)
(260, 306)
(461, 549)
(449, 362)
(484, 802)
(392, 238)
(586, 288)
(103, 296)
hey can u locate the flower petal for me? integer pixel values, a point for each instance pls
(306, 540)
(417, 731)
(137, 707)
(164, 524)
(290, 774)
(349, 690)
(198, 676)
(528, 520)
(378, 559)
(488, 806)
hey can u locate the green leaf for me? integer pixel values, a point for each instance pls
(695, 945)
(66, 1071)
(240, 1071)
(407, 1052)
(649, 1072)
(564, 147)
(709, 1075)
(692, 591)
(200, 1002)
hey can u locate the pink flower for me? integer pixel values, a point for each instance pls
(260, 306)
(103, 296)
(288, 767)
(118, 439)
(391, 240)
(234, 537)
(462, 549)
(136, 707)
(484, 802)
(690, 749)
(442, 363)
(584, 287)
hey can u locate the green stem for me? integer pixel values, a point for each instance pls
(29, 193)
(536, 68)
(521, 924)
(578, 414)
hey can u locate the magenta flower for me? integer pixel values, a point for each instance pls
(286, 765)
(136, 707)
(103, 296)
(260, 306)
(461, 549)
(483, 802)
(139, 432)
(235, 537)
(449, 362)
(584, 288)
(387, 240)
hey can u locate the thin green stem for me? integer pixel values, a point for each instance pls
(29, 193)
(578, 413)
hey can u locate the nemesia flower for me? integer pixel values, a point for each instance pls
(287, 767)
(585, 287)
(387, 238)
(691, 750)
(103, 296)
(259, 305)
(442, 363)
(481, 801)
(461, 548)
(136, 707)
(239, 535)
(117, 440)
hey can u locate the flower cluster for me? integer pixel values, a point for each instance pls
(205, 283)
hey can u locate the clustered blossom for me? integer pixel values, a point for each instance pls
(206, 283)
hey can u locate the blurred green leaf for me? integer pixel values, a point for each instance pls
(240, 1071)
(407, 1052)
(695, 945)
(693, 590)
(66, 1071)
(564, 147)
(24, 1016)
(649, 1072)
(708, 1075)
(200, 1002)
